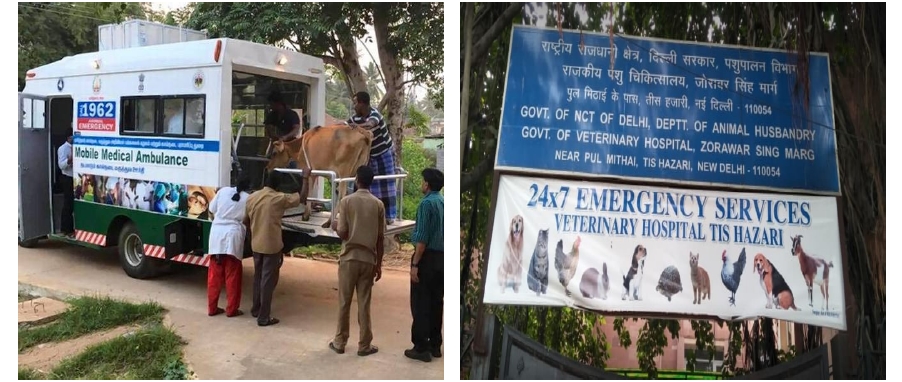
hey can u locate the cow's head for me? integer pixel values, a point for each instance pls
(279, 158)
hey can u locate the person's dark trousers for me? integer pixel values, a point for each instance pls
(426, 303)
(67, 221)
(266, 276)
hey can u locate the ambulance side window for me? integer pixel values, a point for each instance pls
(139, 116)
(184, 116)
(169, 116)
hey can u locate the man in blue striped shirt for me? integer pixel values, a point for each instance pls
(427, 280)
(382, 159)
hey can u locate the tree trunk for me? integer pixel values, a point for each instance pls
(350, 65)
(465, 89)
(393, 102)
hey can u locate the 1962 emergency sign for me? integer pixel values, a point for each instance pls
(96, 116)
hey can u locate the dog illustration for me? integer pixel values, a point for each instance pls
(510, 273)
(633, 278)
(775, 288)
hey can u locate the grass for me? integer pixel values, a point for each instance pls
(28, 374)
(328, 250)
(152, 353)
(86, 315)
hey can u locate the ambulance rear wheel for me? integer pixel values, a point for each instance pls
(28, 243)
(131, 254)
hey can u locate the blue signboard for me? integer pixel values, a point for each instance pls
(97, 116)
(96, 109)
(579, 104)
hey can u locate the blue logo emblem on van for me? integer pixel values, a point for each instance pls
(141, 83)
(60, 85)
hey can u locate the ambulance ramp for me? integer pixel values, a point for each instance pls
(293, 219)
(313, 227)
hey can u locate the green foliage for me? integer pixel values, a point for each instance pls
(50, 31)
(571, 332)
(29, 374)
(734, 349)
(651, 342)
(175, 370)
(316, 249)
(786, 356)
(86, 315)
(417, 120)
(151, 353)
(416, 30)
(415, 161)
(175, 17)
(437, 97)
(704, 341)
(338, 99)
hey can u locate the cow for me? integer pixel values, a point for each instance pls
(339, 148)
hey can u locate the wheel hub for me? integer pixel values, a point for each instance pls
(134, 250)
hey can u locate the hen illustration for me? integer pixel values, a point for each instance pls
(731, 273)
(566, 263)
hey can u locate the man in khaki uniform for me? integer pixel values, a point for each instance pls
(265, 209)
(361, 227)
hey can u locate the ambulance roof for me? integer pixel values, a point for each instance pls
(181, 55)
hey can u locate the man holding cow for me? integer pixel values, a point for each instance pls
(382, 159)
(281, 123)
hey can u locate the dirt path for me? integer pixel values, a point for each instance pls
(44, 357)
(236, 348)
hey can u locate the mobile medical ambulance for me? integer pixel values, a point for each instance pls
(158, 129)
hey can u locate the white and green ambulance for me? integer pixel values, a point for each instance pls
(158, 130)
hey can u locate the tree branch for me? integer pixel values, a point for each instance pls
(329, 60)
(468, 180)
(482, 46)
(375, 62)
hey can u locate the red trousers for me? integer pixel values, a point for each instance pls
(228, 272)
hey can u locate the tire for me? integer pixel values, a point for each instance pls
(28, 243)
(131, 255)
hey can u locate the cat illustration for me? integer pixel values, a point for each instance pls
(589, 284)
(537, 278)
(701, 284)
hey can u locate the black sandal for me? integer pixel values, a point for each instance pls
(217, 312)
(336, 349)
(371, 350)
(271, 321)
(237, 313)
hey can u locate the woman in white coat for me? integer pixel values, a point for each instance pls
(227, 248)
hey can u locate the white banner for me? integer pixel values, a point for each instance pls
(183, 161)
(618, 248)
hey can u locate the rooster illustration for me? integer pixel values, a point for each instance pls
(566, 263)
(731, 273)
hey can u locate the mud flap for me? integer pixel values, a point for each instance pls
(184, 236)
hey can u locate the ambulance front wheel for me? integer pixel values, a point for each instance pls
(131, 255)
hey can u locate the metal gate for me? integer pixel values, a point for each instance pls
(524, 358)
